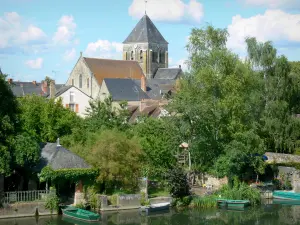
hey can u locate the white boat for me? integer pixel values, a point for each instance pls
(155, 207)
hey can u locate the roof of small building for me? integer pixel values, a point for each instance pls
(57, 157)
(66, 88)
(110, 68)
(125, 90)
(20, 88)
(167, 73)
(145, 32)
(156, 88)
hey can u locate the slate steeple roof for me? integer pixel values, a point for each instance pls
(145, 31)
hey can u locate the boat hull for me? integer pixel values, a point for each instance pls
(155, 208)
(80, 214)
(233, 204)
(286, 195)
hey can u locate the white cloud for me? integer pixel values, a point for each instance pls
(168, 10)
(273, 25)
(104, 49)
(279, 4)
(16, 33)
(182, 63)
(69, 55)
(35, 63)
(65, 31)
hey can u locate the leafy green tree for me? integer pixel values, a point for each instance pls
(178, 183)
(46, 119)
(103, 115)
(118, 158)
(159, 139)
(8, 124)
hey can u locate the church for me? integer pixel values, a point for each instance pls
(145, 54)
(141, 76)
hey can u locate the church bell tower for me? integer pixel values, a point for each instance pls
(147, 46)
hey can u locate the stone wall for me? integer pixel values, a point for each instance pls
(293, 175)
(81, 68)
(282, 158)
(206, 179)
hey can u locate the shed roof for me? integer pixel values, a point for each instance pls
(145, 32)
(125, 90)
(109, 68)
(57, 157)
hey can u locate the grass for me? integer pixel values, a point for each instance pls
(159, 192)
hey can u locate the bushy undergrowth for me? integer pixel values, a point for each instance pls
(209, 201)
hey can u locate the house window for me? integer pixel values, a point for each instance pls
(154, 57)
(72, 107)
(131, 56)
(72, 96)
(72, 82)
(88, 83)
(141, 55)
(162, 57)
(80, 81)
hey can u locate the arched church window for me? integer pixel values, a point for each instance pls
(80, 81)
(162, 57)
(154, 57)
(141, 55)
(131, 56)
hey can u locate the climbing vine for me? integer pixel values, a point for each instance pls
(74, 175)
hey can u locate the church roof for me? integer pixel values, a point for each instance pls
(145, 31)
(168, 73)
(125, 90)
(110, 68)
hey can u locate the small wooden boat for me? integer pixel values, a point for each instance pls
(80, 214)
(233, 204)
(155, 207)
(286, 195)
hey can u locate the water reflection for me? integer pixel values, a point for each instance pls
(265, 215)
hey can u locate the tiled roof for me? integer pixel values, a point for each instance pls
(20, 88)
(57, 157)
(125, 90)
(145, 31)
(167, 73)
(109, 68)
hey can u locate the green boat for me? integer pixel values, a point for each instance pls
(286, 195)
(233, 204)
(80, 214)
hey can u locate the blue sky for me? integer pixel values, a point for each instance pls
(41, 38)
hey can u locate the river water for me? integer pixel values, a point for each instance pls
(265, 215)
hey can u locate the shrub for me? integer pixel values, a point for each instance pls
(113, 199)
(52, 202)
(178, 183)
(209, 201)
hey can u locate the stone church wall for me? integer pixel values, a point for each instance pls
(81, 68)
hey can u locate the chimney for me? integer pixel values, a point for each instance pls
(143, 84)
(52, 89)
(80, 54)
(34, 82)
(58, 144)
(10, 80)
(179, 66)
(44, 87)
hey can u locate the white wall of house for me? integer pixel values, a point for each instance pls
(79, 101)
(89, 83)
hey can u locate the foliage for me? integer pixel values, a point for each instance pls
(92, 197)
(9, 125)
(113, 199)
(103, 115)
(159, 149)
(52, 202)
(144, 201)
(118, 159)
(80, 206)
(209, 201)
(46, 119)
(240, 191)
(178, 183)
(68, 174)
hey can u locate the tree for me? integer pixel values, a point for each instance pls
(178, 183)
(218, 100)
(118, 158)
(159, 139)
(46, 119)
(8, 124)
(103, 114)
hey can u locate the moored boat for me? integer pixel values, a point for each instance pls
(233, 204)
(155, 207)
(286, 195)
(80, 214)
